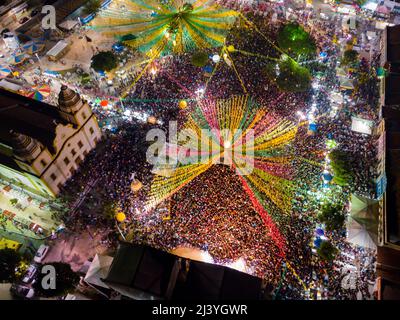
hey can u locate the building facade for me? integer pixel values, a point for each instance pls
(41, 146)
(388, 267)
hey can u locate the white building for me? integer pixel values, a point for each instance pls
(41, 146)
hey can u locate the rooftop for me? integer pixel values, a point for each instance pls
(27, 116)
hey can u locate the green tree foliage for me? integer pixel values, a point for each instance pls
(85, 78)
(341, 165)
(92, 6)
(350, 57)
(13, 201)
(199, 59)
(128, 37)
(333, 216)
(292, 77)
(293, 39)
(9, 261)
(104, 61)
(66, 280)
(327, 251)
(109, 209)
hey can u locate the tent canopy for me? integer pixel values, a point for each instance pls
(363, 222)
(98, 270)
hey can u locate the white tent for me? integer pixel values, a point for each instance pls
(346, 83)
(68, 24)
(98, 270)
(359, 235)
(362, 225)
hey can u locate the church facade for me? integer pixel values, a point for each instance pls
(42, 146)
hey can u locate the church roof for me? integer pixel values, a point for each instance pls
(29, 117)
(67, 98)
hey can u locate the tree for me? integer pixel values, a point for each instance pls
(128, 37)
(293, 39)
(92, 6)
(199, 59)
(333, 216)
(341, 166)
(108, 209)
(292, 77)
(13, 201)
(327, 251)
(85, 78)
(66, 280)
(350, 57)
(9, 261)
(104, 61)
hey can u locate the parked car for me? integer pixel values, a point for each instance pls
(41, 253)
(30, 274)
(23, 20)
(23, 291)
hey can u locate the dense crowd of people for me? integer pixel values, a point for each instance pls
(213, 213)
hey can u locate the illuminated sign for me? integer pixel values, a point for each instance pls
(361, 125)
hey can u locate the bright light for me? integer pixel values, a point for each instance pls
(301, 115)
(227, 144)
(206, 257)
(140, 116)
(315, 85)
(153, 71)
(216, 58)
(239, 265)
(200, 92)
(127, 113)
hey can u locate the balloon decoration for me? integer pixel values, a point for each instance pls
(231, 48)
(162, 28)
(258, 143)
(152, 120)
(120, 217)
(136, 185)
(182, 104)
(104, 103)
